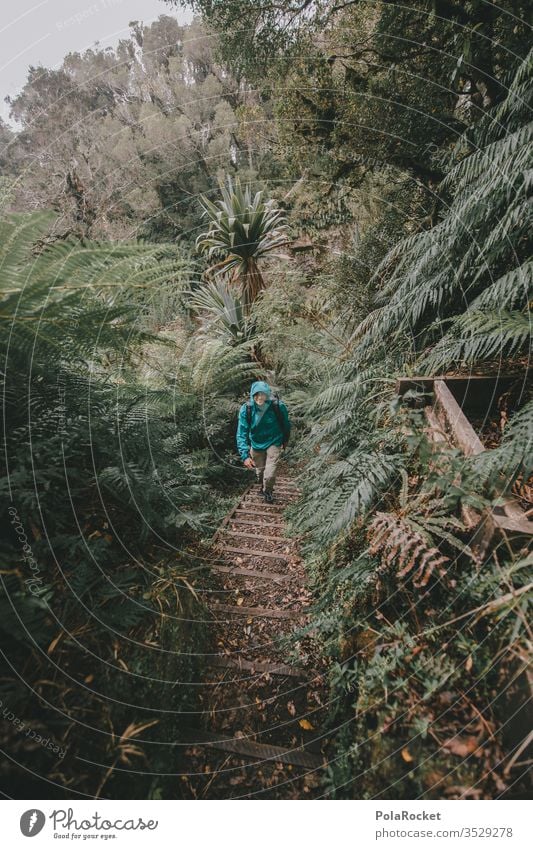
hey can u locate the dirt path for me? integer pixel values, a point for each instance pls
(264, 693)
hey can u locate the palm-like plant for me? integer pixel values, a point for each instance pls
(242, 230)
(223, 312)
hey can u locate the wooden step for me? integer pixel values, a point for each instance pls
(259, 666)
(256, 612)
(279, 503)
(246, 512)
(260, 751)
(280, 489)
(252, 573)
(288, 490)
(283, 491)
(254, 536)
(260, 500)
(252, 552)
(250, 523)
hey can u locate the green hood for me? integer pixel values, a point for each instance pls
(260, 386)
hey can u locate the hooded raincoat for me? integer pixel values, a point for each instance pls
(264, 429)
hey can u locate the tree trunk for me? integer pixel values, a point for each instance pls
(252, 283)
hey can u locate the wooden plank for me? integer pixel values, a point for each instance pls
(256, 612)
(251, 573)
(459, 382)
(245, 512)
(439, 436)
(221, 527)
(515, 525)
(227, 518)
(492, 524)
(436, 432)
(463, 433)
(284, 486)
(250, 523)
(277, 508)
(261, 751)
(254, 536)
(258, 499)
(252, 552)
(421, 384)
(259, 666)
(465, 436)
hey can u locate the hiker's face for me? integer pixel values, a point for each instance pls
(260, 398)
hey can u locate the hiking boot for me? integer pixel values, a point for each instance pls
(269, 498)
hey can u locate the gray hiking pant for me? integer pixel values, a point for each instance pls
(265, 465)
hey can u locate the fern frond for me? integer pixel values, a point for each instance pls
(478, 336)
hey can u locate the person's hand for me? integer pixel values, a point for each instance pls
(249, 463)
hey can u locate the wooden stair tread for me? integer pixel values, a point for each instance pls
(252, 552)
(251, 573)
(254, 536)
(250, 523)
(260, 666)
(262, 503)
(262, 751)
(258, 612)
(247, 512)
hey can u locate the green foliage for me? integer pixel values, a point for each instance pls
(398, 139)
(382, 512)
(243, 230)
(416, 657)
(503, 465)
(441, 282)
(106, 481)
(478, 336)
(222, 312)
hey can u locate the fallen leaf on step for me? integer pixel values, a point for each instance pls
(240, 600)
(406, 755)
(291, 708)
(305, 724)
(461, 746)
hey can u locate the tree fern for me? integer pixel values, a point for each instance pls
(501, 466)
(478, 336)
(483, 236)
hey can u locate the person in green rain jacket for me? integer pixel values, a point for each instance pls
(263, 431)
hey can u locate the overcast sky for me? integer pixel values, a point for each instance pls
(34, 32)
